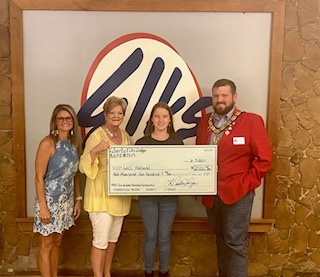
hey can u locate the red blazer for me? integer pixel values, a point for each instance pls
(244, 157)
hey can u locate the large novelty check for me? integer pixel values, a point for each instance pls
(163, 170)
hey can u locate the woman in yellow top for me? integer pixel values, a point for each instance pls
(106, 212)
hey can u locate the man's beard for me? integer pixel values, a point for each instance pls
(223, 110)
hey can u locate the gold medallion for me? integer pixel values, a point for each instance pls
(215, 140)
(227, 127)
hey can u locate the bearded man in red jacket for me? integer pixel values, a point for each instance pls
(244, 158)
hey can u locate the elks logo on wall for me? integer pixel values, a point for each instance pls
(143, 69)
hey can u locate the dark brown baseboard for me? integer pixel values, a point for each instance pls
(84, 273)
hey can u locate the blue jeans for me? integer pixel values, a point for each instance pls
(230, 224)
(157, 213)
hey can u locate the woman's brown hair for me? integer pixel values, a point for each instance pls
(73, 134)
(150, 126)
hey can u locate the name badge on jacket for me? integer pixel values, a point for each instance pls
(238, 141)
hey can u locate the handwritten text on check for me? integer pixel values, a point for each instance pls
(162, 170)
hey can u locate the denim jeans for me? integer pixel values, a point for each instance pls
(157, 213)
(230, 224)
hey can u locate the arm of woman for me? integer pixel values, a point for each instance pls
(78, 198)
(45, 151)
(88, 160)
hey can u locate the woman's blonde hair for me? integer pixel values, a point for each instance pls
(112, 102)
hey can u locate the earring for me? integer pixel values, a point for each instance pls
(54, 132)
(71, 132)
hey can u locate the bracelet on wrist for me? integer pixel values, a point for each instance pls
(79, 198)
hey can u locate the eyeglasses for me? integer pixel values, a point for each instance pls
(61, 119)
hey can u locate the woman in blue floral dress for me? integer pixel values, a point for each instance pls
(57, 203)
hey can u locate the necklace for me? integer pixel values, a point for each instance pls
(111, 134)
(217, 131)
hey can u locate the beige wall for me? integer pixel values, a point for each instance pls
(291, 246)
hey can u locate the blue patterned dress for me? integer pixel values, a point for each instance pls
(62, 167)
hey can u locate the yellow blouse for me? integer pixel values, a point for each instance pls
(96, 196)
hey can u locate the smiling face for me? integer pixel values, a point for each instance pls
(115, 117)
(161, 119)
(64, 121)
(223, 100)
